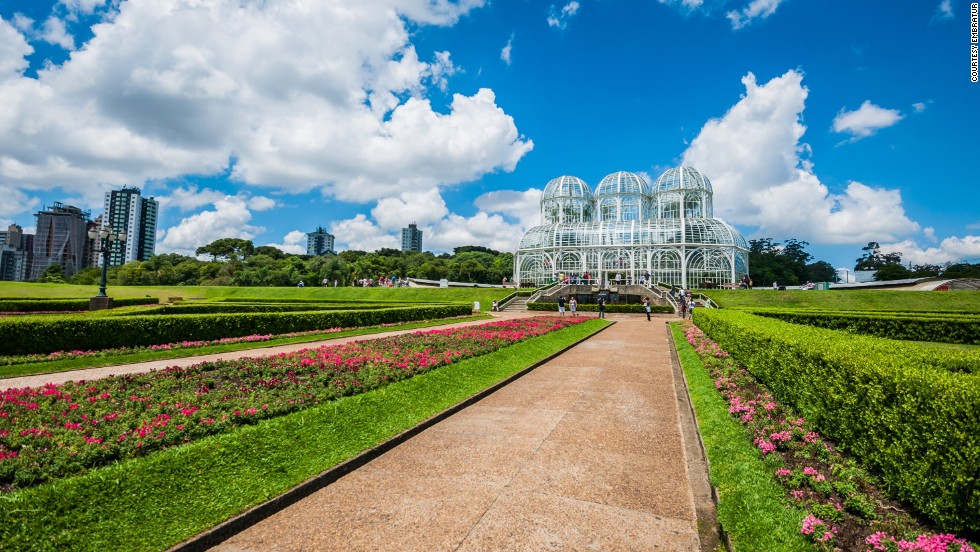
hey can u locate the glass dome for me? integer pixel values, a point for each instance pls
(682, 178)
(660, 233)
(623, 182)
(567, 186)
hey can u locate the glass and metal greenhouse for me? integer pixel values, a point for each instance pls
(628, 230)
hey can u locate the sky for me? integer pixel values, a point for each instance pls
(834, 122)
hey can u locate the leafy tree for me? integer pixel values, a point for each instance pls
(962, 270)
(821, 271)
(873, 258)
(892, 271)
(269, 251)
(227, 248)
(54, 274)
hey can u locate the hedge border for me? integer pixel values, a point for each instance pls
(614, 307)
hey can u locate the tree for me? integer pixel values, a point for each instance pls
(227, 248)
(892, 271)
(54, 274)
(873, 259)
(821, 271)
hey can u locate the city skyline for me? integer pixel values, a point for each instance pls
(837, 124)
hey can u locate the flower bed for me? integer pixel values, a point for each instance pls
(68, 355)
(59, 430)
(846, 509)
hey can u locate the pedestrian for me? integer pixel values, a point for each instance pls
(690, 308)
(683, 306)
(572, 304)
(602, 307)
(561, 305)
(300, 284)
(646, 307)
(495, 306)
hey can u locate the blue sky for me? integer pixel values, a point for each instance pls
(834, 122)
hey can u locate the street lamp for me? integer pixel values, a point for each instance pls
(105, 240)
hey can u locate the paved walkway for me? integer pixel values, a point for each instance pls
(586, 452)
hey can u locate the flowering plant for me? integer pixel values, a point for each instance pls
(58, 430)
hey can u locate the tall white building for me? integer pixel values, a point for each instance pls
(126, 210)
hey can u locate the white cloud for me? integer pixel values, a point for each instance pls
(14, 202)
(13, 52)
(171, 87)
(761, 177)
(505, 53)
(481, 229)
(261, 203)
(866, 120)
(919, 107)
(944, 10)
(559, 19)
(756, 9)
(362, 234)
(229, 219)
(930, 234)
(950, 250)
(54, 32)
(294, 242)
(421, 208)
(522, 206)
(83, 6)
(190, 198)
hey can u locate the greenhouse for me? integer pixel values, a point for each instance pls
(628, 231)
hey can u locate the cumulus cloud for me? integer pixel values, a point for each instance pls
(14, 202)
(173, 87)
(294, 242)
(505, 53)
(229, 219)
(524, 206)
(421, 208)
(364, 235)
(762, 177)
(930, 234)
(190, 198)
(83, 6)
(950, 250)
(687, 4)
(865, 120)
(54, 32)
(559, 18)
(754, 10)
(14, 50)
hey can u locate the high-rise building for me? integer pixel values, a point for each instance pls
(126, 210)
(319, 242)
(411, 238)
(15, 258)
(61, 239)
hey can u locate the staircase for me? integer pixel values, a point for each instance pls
(517, 304)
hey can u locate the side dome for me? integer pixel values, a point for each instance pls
(566, 199)
(567, 186)
(682, 192)
(623, 196)
(682, 178)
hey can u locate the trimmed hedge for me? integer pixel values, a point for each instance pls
(39, 305)
(950, 328)
(903, 412)
(48, 334)
(616, 307)
(217, 308)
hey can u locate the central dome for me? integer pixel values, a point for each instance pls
(623, 182)
(567, 186)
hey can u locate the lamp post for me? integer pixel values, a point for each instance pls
(105, 239)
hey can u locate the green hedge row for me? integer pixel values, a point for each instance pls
(899, 410)
(216, 308)
(299, 300)
(915, 327)
(616, 307)
(39, 305)
(45, 335)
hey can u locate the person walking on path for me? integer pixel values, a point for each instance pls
(602, 307)
(646, 307)
(561, 305)
(572, 304)
(683, 306)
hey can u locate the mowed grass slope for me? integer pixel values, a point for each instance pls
(418, 295)
(851, 299)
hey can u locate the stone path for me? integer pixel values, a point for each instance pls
(586, 452)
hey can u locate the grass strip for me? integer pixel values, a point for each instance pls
(28, 369)
(154, 502)
(751, 505)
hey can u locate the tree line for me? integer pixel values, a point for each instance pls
(237, 262)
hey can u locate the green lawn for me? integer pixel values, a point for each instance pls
(851, 299)
(752, 507)
(154, 502)
(420, 295)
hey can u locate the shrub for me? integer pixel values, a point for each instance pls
(918, 327)
(902, 412)
(44, 335)
(615, 307)
(40, 305)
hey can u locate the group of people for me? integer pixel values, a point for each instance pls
(684, 299)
